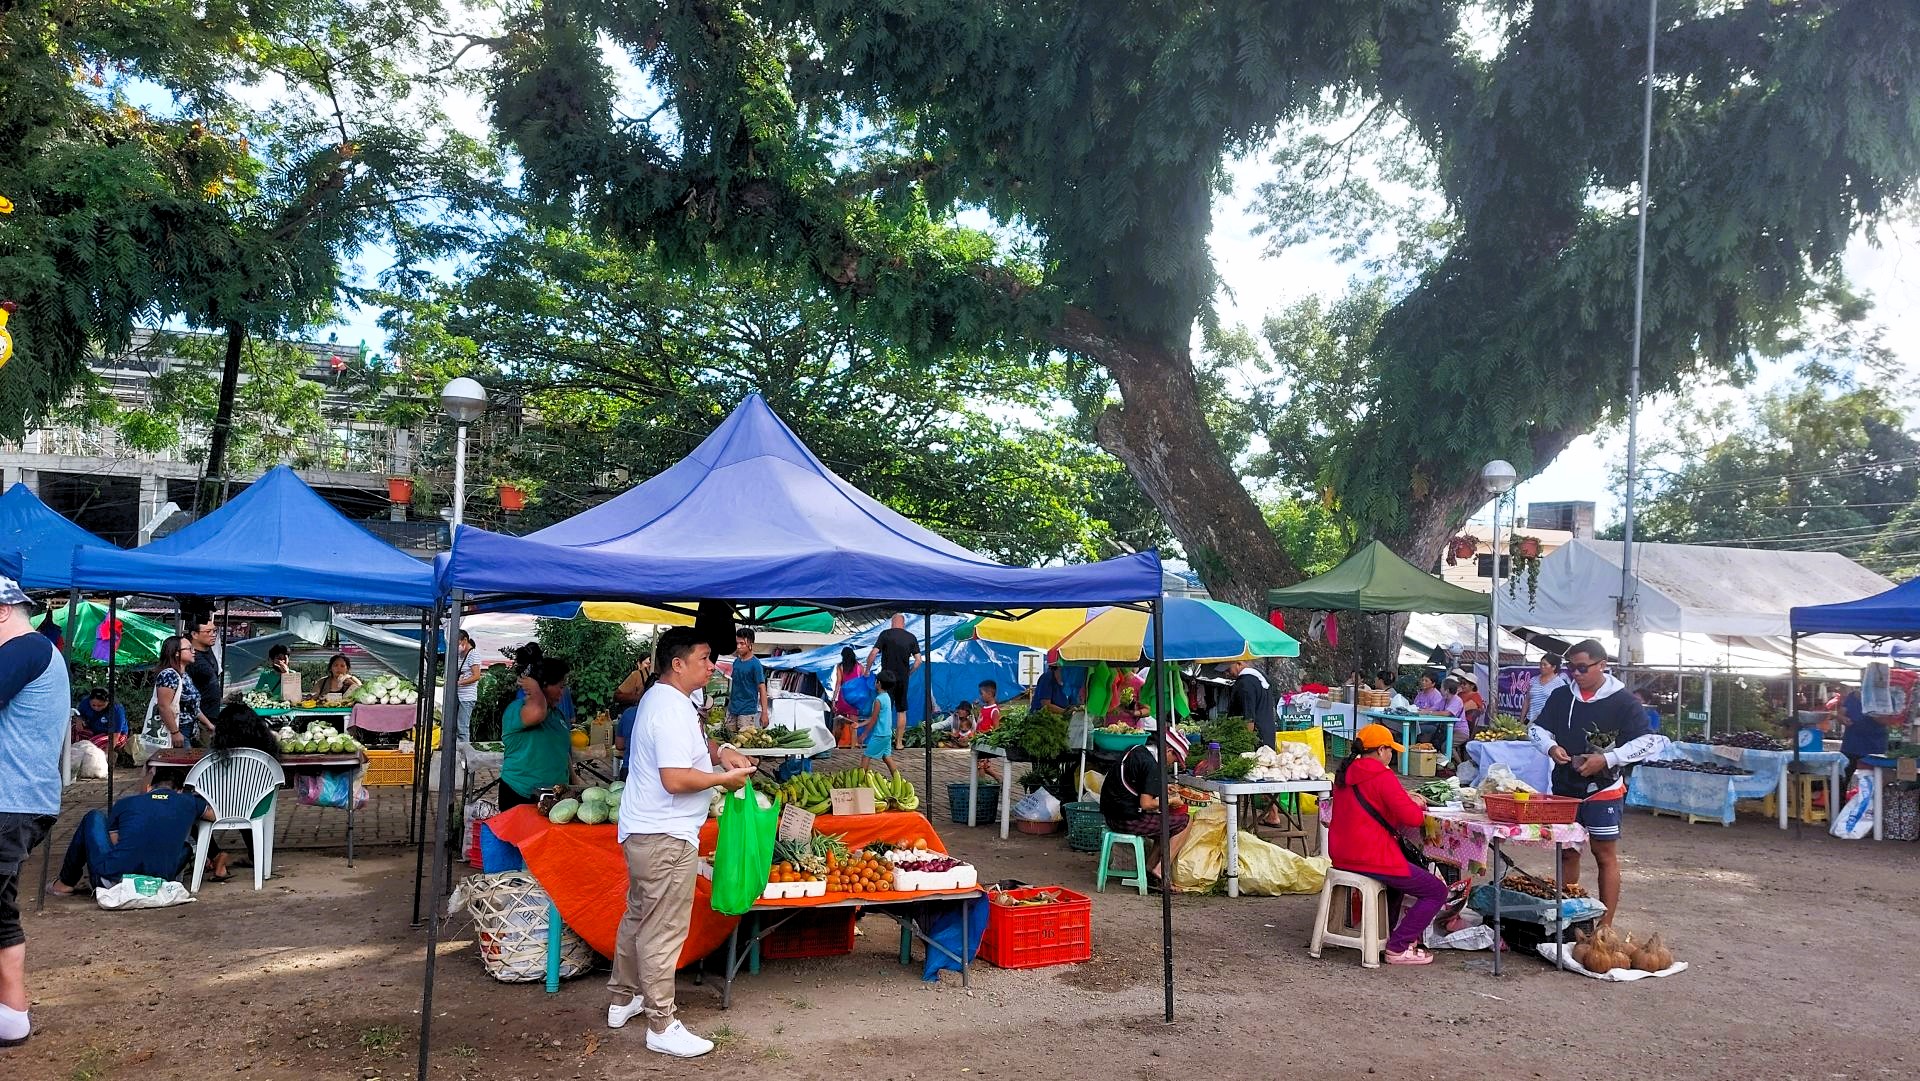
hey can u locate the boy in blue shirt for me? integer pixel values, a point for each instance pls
(147, 834)
(747, 693)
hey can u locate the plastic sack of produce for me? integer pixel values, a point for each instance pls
(1855, 819)
(743, 850)
(1038, 806)
(1269, 870)
(329, 788)
(1203, 859)
(141, 891)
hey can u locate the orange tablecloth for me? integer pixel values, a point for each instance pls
(585, 874)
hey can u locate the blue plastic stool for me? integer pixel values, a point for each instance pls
(1139, 880)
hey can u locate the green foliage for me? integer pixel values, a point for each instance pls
(628, 363)
(1821, 464)
(218, 168)
(1043, 735)
(601, 654)
(1233, 734)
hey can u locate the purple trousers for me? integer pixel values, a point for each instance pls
(1429, 896)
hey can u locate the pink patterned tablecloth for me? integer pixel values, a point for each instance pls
(1465, 838)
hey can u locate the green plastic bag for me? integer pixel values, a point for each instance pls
(743, 853)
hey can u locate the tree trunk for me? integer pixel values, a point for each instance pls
(1160, 433)
(213, 489)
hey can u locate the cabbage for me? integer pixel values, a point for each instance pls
(594, 795)
(616, 788)
(564, 811)
(593, 814)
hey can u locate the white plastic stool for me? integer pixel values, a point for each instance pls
(1332, 925)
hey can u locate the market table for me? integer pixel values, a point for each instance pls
(1232, 792)
(1471, 841)
(1699, 797)
(1770, 770)
(584, 870)
(902, 908)
(973, 786)
(352, 763)
(1518, 755)
(1409, 728)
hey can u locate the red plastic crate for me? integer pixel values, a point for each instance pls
(810, 934)
(1057, 934)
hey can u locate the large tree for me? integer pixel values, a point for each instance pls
(622, 364)
(836, 136)
(214, 166)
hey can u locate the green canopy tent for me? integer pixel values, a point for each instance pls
(1375, 579)
(140, 637)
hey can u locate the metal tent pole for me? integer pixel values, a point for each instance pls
(449, 704)
(1163, 709)
(113, 677)
(926, 716)
(423, 758)
(46, 857)
(1793, 711)
(1628, 594)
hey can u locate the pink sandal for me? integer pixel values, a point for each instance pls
(1412, 955)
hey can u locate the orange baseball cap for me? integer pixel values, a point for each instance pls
(1375, 736)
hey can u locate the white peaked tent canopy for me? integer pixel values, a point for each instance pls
(1686, 589)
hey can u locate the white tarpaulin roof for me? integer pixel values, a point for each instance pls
(1686, 588)
(1742, 654)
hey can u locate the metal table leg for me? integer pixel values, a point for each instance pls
(1233, 845)
(350, 802)
(1498, 937)
(1559, 914)
(973, 789)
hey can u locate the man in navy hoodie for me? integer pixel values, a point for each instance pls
(1592, 728)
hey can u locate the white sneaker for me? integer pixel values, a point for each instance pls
(678, 1042)
(619, 1014)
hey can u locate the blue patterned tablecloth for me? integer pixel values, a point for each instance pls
(1768, 766)
(1704, 795)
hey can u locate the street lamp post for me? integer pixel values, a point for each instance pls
(464, 400)
(1497, 477)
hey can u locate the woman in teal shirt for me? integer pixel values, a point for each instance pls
(537, 729)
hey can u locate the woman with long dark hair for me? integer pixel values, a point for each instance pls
(848, 668)
(339, 679)
(177, 717)
(1369, 809)
(537, 729)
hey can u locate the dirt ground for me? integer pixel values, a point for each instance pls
(1803, 955)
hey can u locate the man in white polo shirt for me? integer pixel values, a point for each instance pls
(670, 778)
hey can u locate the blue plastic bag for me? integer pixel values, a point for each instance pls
(945, 930)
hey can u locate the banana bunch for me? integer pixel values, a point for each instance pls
(896, 792)
(810, 792)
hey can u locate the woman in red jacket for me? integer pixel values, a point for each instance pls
(1367, 800)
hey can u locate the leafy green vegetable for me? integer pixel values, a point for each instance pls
(1043, 736)
(1233, 734)
(1234, 768)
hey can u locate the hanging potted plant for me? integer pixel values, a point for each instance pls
(399, 489)
(513, 495)
(1461, 547)
(1524, 553)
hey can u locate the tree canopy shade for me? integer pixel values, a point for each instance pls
(753, 517)
(836, 137)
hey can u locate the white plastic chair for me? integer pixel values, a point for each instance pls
(234, 787)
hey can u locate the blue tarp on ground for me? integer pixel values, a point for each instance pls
(37, 542)
(958, 667)
(276, 540)
(1892, 614)
(752, 517)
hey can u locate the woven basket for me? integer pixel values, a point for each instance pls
(1085, 824)
(510, 913)
(1372, 699)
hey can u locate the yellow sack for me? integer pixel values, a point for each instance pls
(1266, 869)
(1315, 740)
(1090, 782)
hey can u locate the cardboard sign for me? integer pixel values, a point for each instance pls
(1907, 769)
(1032, 665)
(796, 824)
(853, 801)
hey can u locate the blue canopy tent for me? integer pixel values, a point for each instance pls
(958, 666)
(1893, 614)
(37, 542)
(753, 517)
(276, 540)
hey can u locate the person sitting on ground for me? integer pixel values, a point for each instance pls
(279, 664)
(962, 725)
(1130, 803)
(146, 834)
(1369, 807)
(100, 720)
(339, 679)
(876, 736)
